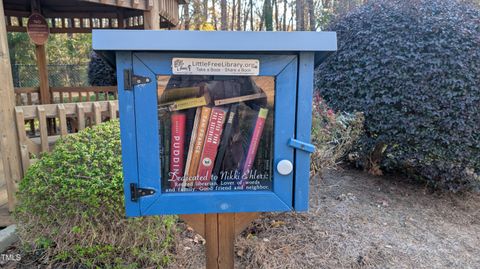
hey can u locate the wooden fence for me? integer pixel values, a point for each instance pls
(67, 118)
(31, 95)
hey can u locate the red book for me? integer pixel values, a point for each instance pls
(177, 145)
(252, 148)
(210, 147)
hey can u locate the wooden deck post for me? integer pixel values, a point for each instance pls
(9, 144)
(219, 231)
(151, 17)
(41, 54)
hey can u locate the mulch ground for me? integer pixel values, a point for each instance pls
(355, 221)
(359, 221)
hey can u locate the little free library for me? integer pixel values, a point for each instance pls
(214, 122)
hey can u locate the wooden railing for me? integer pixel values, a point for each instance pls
(31, 95)
(82, 94)
(71, 117)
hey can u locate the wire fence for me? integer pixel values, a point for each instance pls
(58, 75)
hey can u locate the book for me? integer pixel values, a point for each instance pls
(177, 143)
(253, 146)
(186, 103)
(172, 94)
(165, 134)
(239, 99)
(225, 141)
(199, 140)
(191, 146)
(210, 147)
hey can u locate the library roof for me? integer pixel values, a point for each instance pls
(322, 43)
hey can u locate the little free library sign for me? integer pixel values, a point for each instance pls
(211, 123)
(221, 67)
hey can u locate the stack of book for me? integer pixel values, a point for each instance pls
(197, 133)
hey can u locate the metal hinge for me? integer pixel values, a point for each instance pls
(130, 79)
(294, 143)
(136, 192)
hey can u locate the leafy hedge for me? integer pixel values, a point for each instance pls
(100, 73)
(413, 68)
(71, 208)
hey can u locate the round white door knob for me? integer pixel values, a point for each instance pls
(284, 167)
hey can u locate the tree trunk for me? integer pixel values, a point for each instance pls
(214, 15)
(300, 15)
(205, 10)
(277, 22)
(251, 16)
(311, 15)
(197, 14)
(186, 17)
(232, 18)
(223, 10)
(239, 15)
(284, 15)
(268, 15)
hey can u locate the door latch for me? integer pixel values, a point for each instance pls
(294, 143)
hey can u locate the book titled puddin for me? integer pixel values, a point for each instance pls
(177, 149)
(210, 147)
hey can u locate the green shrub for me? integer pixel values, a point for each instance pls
(71, 207)
(413, 68)
(100, 73)
(333, 134)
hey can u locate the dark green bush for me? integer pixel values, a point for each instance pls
(100, 73)
(71, 207)
(413, 68)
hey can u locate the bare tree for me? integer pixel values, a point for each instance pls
(311, 15)
(300, 15)
(239, 15)
(197, 14)
(277, 22)
(285, 15)
(186, 16)
(205, 10)
(251, 16)
(214, 15)
(232, 26)
(268, 15)
(223, 11)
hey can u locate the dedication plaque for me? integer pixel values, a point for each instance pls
(216, 132)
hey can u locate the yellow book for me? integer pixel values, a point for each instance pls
(193, 138)
(199, 140)
(186, 103)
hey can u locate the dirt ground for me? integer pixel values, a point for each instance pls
(359, 221)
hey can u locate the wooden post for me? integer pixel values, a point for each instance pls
(219, 231)
(9, 144)
(151, 17)
(41, 55)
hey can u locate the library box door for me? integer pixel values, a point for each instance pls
(207, 133)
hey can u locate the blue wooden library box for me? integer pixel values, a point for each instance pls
(215, 122)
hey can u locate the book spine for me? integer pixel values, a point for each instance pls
(191, 146)
(210, 148)
(177, 144)
(239, 99)
(252, 148)
(199, 140)
(225, 140)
